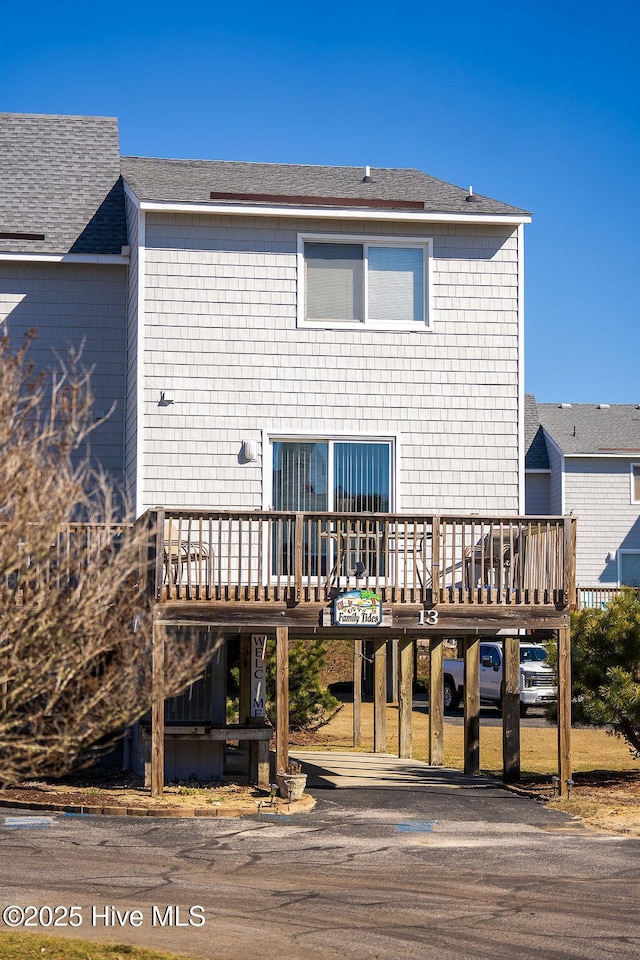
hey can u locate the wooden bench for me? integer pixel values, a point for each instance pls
(257, 735)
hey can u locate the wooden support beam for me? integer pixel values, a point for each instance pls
(379, 696)
(393, 671)
(511, 710)
(244, 694)
(564, 710)
(472, 705)
(157, 711)
(259, 762)
(436, 702)
(357, 693)
(282, 698)
(405, 695)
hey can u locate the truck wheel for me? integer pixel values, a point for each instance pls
(523, 709)
(451, 698)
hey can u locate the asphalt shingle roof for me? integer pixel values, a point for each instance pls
(61, 188)
(588, 428)
(536, 457)
(60, 176)
(193, 181)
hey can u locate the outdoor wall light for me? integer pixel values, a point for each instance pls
(611, 556)
(249, 451)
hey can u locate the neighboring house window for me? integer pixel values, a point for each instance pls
(345, 476)
(635, 483)
(629, 568)
(377, 283)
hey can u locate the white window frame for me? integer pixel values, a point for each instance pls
(270, 437)
(622, 553)
(634, 471)
(415, 326)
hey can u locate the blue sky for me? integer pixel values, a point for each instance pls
(533, 103)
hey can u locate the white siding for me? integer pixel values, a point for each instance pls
(221, 335)
(70, 305)
(598, 491)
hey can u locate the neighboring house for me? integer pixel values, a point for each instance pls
(63, 269)
(272, 335)
(584, 459)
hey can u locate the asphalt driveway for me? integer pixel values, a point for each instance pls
(412, 863)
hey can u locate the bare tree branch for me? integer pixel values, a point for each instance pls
(75, 617)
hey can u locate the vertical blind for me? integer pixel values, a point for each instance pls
(361, 476)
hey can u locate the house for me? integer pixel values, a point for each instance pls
(316, 370)
(584, 459)
(377, 318)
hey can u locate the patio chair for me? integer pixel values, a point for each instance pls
(181, 549)
(489, 560)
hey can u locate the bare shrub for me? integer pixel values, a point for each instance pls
(75, 614)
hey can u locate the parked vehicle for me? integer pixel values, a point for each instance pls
(537, 679)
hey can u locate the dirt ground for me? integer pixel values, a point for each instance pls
(117, 790)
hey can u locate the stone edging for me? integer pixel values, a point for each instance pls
(285, 809)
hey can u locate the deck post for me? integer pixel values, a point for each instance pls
(393, 671)
(157, 710)
(472, 704)
(511, 710)
(405, 695)
(564, 710)
(357, 693)
(436, 702)
(379, 696)
(282, 699)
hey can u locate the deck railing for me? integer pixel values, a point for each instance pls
(595, 598)
(57, 562)
(258, 555)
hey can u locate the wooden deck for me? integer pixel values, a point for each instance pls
(438, 572)
(258, 573)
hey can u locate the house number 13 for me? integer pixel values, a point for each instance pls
(428, 618)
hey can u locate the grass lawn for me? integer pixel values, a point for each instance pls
(29, 946)
(591, 748)
(607, 778)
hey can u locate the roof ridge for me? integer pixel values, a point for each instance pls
(57, 116)
(275, 163)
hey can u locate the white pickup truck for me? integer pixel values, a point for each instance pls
(537, 680)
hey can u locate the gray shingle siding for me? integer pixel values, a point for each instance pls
(72, 306)
(61, 178)
(221, 336)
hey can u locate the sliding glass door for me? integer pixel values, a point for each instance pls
(334, 476)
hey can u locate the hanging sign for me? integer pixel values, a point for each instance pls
(258, 674)
(357, 608)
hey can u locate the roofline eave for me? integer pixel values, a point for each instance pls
(342, 213)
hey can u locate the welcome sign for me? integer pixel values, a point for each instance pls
(357, 608)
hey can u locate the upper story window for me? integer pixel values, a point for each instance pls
(635, 483)
(382, 284)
